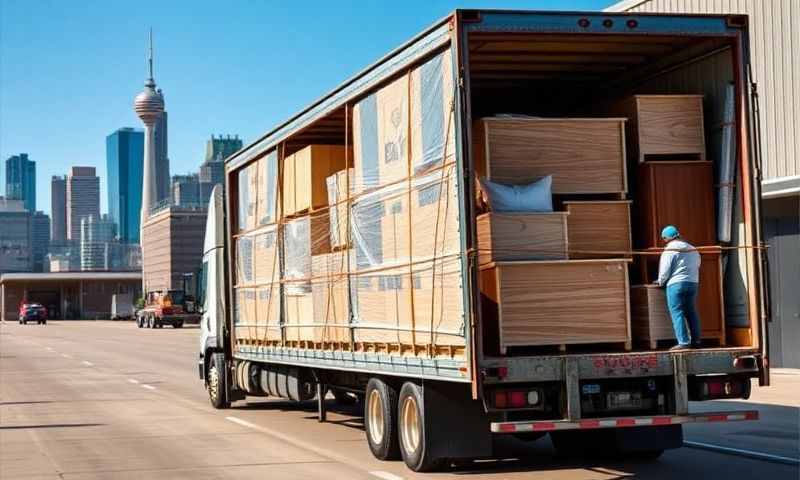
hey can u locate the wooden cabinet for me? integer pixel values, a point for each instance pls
(522, 236)
(679, 193)
(583, 155)
(558, 302)
(664, 126)
(599, 229)
(304, 177)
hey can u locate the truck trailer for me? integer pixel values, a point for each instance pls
(464, 236)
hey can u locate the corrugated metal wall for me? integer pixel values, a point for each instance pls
(775, 55)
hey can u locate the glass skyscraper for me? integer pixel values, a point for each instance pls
(21, 180)
(124, 163)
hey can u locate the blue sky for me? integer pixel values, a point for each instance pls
(69, 70)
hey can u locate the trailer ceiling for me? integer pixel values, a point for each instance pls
(553, 64)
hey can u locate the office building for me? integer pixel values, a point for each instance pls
(186, 190)
(83, 199)
(124, 158)
(97, 235)
(58, 209)
(16, 254)
(220, 148)
(40, 240)
(21, 180)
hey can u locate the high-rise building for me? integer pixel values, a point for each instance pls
(83, 199)
(162, 156)
(15, 243)
(186, 190)
(124, 157)
(40, 240)
(21, 180)
(220, 148)
(97, 238)
(58, 209)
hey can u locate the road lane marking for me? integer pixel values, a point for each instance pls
(385, 475)
(149, 387)
(88, 364)
(133, 380)
(49, 349)
(65, 355)
(745, 453)
(323, 452)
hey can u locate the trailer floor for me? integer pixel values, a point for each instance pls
(82, 400)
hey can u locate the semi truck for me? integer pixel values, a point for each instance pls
(440, 391)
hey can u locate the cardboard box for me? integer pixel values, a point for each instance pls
(244, 260)
(379, 227)
(584, 155)
(338, 185)
(299, 316)
(382, 306)
(561, 302)
(267, 204)
(304, 177)
(303, 237)
(663, 126)
(432, 114)
(330, 296)
(599, 229)
(268, 303)
(434, 217)
(247, 186)
(522, 236)
(267, 262)
(439, 302)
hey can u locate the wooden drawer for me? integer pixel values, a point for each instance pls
(676, 193)
(522, 236)
(559, 302)
(599, 229)
(583, 155)
(664, 125)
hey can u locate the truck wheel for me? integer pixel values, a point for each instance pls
(159, 324)
(151, 323)
(411, 430)
(380, 422)
(217, 381)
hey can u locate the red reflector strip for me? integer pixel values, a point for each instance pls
(544, 426)
(662, 421)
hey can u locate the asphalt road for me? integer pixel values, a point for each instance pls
(82, 400)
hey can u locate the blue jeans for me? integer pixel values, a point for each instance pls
(681, 299)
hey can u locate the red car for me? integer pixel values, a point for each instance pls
(29, 312)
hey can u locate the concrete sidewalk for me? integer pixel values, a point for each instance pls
(777, 432)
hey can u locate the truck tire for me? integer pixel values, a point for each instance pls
(151, 321)
(414, 445)
(138, 321)
(217, 381)
(380, 420)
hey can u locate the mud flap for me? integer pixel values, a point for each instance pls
(455, 425)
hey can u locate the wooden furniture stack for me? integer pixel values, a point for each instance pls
(675, 186)
(556, 278)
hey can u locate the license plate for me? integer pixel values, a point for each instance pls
(624, 400)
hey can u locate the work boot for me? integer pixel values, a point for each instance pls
(680, 347)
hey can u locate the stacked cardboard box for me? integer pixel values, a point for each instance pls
(339, 190)
(304, 177)
(330, 296)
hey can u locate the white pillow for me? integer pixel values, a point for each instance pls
(533, 197)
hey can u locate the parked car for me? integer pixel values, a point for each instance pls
(30, 312)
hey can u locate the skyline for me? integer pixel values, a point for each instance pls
(65, 87)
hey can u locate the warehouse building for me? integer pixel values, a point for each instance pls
(67, 295)
(774, 50)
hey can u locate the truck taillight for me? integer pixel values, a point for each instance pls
(717, 387)
(516, 398)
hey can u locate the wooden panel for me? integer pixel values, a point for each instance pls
(599, 229)
(582, 155)
(305, 186)
(676, 193)
(667, 125)
(562, 302)
(522, 236)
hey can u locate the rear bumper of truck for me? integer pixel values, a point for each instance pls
(621, 422)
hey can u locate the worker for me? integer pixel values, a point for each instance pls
(679, 272)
